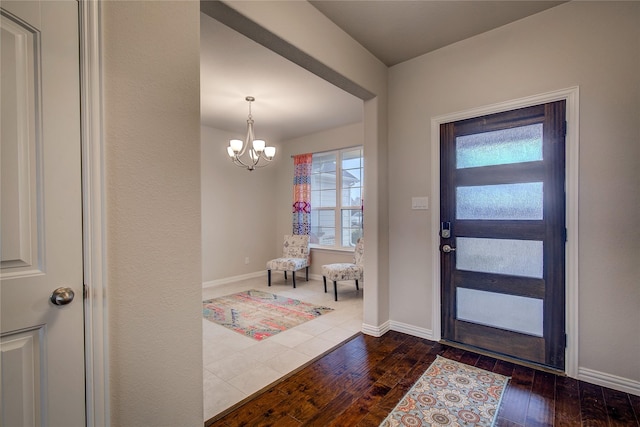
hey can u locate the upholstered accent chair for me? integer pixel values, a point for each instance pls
(295, 256)
(345, 271)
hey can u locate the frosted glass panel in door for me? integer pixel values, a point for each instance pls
(514, 145)
(510, 312)
(500, 256)
(500, 202)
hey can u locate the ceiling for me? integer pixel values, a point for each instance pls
(292, 102)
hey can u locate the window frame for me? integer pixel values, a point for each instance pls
(339, 207)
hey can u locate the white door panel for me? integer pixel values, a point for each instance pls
(42, 346)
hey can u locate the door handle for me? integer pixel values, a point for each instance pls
(62, 296)
(446, 249)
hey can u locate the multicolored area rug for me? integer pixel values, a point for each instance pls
(258, 314)
(450, 393)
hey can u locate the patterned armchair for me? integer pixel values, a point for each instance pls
(345, 271)
(295, 256)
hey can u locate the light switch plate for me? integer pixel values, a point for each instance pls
(420, 203)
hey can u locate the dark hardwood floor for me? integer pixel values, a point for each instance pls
(360, 382)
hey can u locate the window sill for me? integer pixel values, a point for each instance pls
(331, 249)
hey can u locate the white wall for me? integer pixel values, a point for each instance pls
(152, 172)
(238, 210)
(331, 139)
(593, 45)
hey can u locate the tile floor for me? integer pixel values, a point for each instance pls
(236, 367)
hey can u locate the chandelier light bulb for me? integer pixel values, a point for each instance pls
(236, 145)
(258, 145)
(270, 152)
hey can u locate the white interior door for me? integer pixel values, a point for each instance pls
(42, 343)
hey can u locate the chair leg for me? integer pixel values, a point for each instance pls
(357, 288)
(285, 275)
(269, 277)
(324, 278)
(293, 274)
(307, 273)
(335, 289)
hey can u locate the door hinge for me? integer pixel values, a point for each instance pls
(85, 291)
(565, 340)
(564, 128)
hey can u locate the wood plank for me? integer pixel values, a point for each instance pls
(501, 283)
(521, 117)
(526, 347)
(517, 394)
(361, 407)
(635, 403)
(592, 409)
(469, 358)
(335, 408)
(259, 407)
(501, 174)
(453, 353)
(485, 362)
(619, 408)
(567, 410)
(541, 410)
(349, 388)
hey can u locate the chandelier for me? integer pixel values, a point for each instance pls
(256, 147)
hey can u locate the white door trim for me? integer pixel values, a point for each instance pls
(95, 303)
(570, 95)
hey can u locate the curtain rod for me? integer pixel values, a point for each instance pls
(328, 151)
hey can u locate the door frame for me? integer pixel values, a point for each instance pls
(93, 215)
(571, 96)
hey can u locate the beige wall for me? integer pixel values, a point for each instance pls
(340, 53)
(153, 179)
(152, 173)
(593, 45)
(331, 139)
(238, 210)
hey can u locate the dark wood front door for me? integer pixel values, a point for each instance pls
(503, 233)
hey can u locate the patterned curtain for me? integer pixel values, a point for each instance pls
(302, 193)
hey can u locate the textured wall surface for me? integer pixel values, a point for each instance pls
(340, 53)
(238, 210)
(152, 144)
(593, 45)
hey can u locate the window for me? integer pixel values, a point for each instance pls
(336, 198)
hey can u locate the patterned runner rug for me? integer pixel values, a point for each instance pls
(258, 314)
(450, 393)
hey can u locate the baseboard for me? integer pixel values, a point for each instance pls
(392, 325)
(232, 279)
(376, 331)
(415, 331)
(610, 381)
(587, 375)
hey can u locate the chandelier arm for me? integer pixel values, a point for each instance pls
(262, 156)
(238, 162)
(258, 166)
